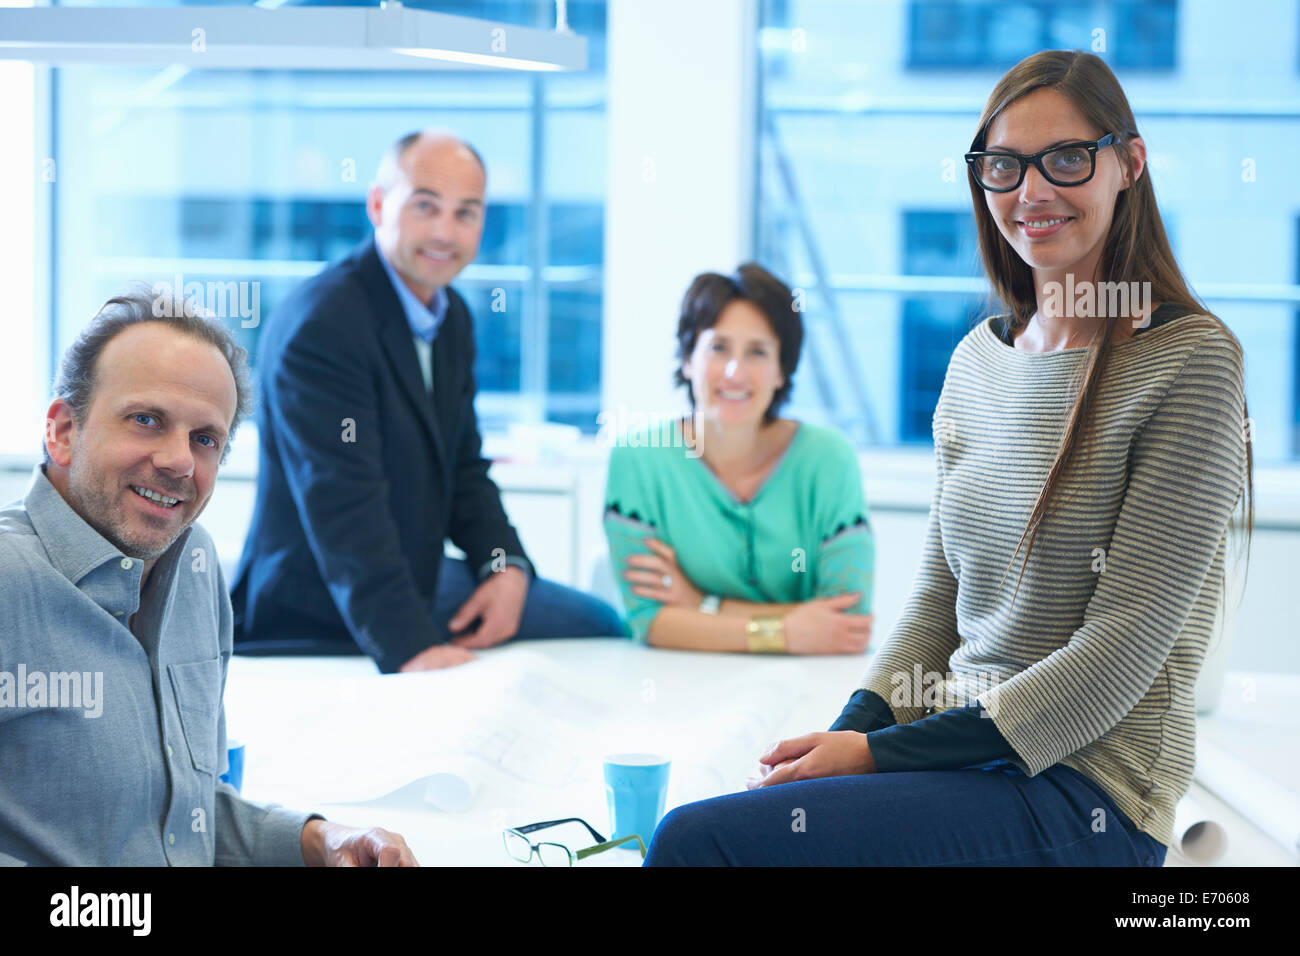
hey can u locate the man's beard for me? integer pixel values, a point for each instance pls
(91, 499)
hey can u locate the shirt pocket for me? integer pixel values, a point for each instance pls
(197, 687)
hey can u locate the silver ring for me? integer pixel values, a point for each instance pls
(666, 580)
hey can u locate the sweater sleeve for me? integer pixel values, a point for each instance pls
(1186, 475)
(926, 632)
(865, 711)
(628, 523)
(949, 740)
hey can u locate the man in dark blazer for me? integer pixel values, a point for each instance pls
(370, 455)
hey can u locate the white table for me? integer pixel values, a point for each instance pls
(274, 706)
(287, 711)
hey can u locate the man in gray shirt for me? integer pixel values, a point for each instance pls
(115, 622)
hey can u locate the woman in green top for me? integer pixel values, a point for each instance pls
(734, 529)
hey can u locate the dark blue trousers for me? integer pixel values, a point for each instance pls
(990, 815)
(550, 609)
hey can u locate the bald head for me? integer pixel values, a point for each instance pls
(427, 204)
(433, 139)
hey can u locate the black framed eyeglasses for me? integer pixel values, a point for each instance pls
(557, 854)
(1070, 164)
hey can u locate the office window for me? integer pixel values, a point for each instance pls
(1295, 368)
(260, 177)
(977, 34)
(864, 202)
(936, 243)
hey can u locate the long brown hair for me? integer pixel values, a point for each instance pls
(1136, 250)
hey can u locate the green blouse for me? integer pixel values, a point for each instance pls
(805, 533)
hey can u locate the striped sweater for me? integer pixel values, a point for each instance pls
(1094, 664)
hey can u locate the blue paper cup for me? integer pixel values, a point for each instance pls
(235, 775)
(635, 787)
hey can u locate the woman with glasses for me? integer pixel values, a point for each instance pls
(1039, 715)
(735, 529)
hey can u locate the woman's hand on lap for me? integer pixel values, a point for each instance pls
(838, 753)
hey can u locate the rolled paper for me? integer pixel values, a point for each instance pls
(450, 791)
(1257, 797)
(1198, 838)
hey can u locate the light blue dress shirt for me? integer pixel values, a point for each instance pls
(424, 318)
(118, 766)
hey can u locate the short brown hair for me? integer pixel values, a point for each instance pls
(75, 383)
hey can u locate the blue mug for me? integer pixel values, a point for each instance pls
(636, 786)
(235, 775)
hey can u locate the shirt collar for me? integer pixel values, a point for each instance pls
(74, 547)
(424, 318)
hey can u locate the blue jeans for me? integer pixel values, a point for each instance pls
(990, 815)
(550, 609)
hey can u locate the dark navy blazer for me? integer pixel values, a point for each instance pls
(361, 475)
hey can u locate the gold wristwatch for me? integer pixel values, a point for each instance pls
(766, 635)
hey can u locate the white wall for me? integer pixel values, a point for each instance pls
(680, 179)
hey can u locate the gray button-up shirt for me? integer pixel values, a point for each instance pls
(111, 735)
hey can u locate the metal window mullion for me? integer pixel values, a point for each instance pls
(535, 317)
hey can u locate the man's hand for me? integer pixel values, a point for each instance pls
(647, 572)
(332, 844)
(437, 657)
(838, 753)
(498, 604)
